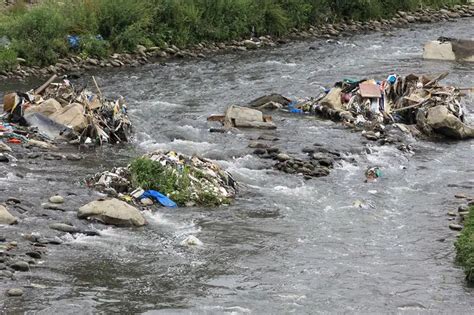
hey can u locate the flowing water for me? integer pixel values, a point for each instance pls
(286, 245)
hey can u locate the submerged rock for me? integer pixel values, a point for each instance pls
(112, 211)
(64, 228)
(20, 266)
(15, 292)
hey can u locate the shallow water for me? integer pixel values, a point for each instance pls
(286, 245)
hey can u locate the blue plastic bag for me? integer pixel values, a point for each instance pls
(156, 195)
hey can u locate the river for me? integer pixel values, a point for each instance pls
(286, 245)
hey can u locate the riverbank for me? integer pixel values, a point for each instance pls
(78, 63)
(465, 243)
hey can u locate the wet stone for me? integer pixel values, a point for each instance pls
(34, 254)
(455, 227)
(309, 150)
(64, 228)
(258, 145)
(74, 157)
(15, 292)
(56, 199)
(13, 200)
(273, 150)
(259, 151)
(20, 266)
(463, 208)
(283, 157)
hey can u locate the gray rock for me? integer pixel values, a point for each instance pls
(15, 292)
(56, 199)
(455, 227)
(283, 157)
(64, 228)
(112, 211)
(463, 208)
(51, 206)
(34, 254)
(259, 145)
(4, 158)
(20, 266)
(6, 217)
(74, 157)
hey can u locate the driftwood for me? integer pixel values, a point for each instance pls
(45, 85)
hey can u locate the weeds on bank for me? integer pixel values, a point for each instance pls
(465, 247)
(39, 33)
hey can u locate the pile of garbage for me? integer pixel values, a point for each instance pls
(58, 111)
(169, 178)
(418, 100)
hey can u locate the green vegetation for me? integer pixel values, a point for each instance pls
(175, 183)
(7, 59)
(39, 33)
(465, 247)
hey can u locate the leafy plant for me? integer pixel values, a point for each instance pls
(465, 247)
(7, 59)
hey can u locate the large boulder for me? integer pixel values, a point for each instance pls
(72, 116)
(244, 117)
(442, 121)
(47, 108)
(112, 211)
(6, 217)
(450, 49)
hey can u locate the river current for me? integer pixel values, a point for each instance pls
(286, 245)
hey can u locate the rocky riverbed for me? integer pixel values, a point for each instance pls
(287, 244)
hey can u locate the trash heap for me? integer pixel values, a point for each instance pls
(58, 111)
(170, 179)
(419, 100)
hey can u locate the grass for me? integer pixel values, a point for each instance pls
(38, 34)
(465, 247)
(175, 183)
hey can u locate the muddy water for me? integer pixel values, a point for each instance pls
(286, 245)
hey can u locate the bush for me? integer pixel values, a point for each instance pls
(149, 174)
(465, 247)
(175, 183)
(39, 35)
(93, 46)
(124, 23)
(7, 59)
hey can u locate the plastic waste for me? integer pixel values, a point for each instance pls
(14, 141)
(373, 173)
(162, 199)
(73, 41)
